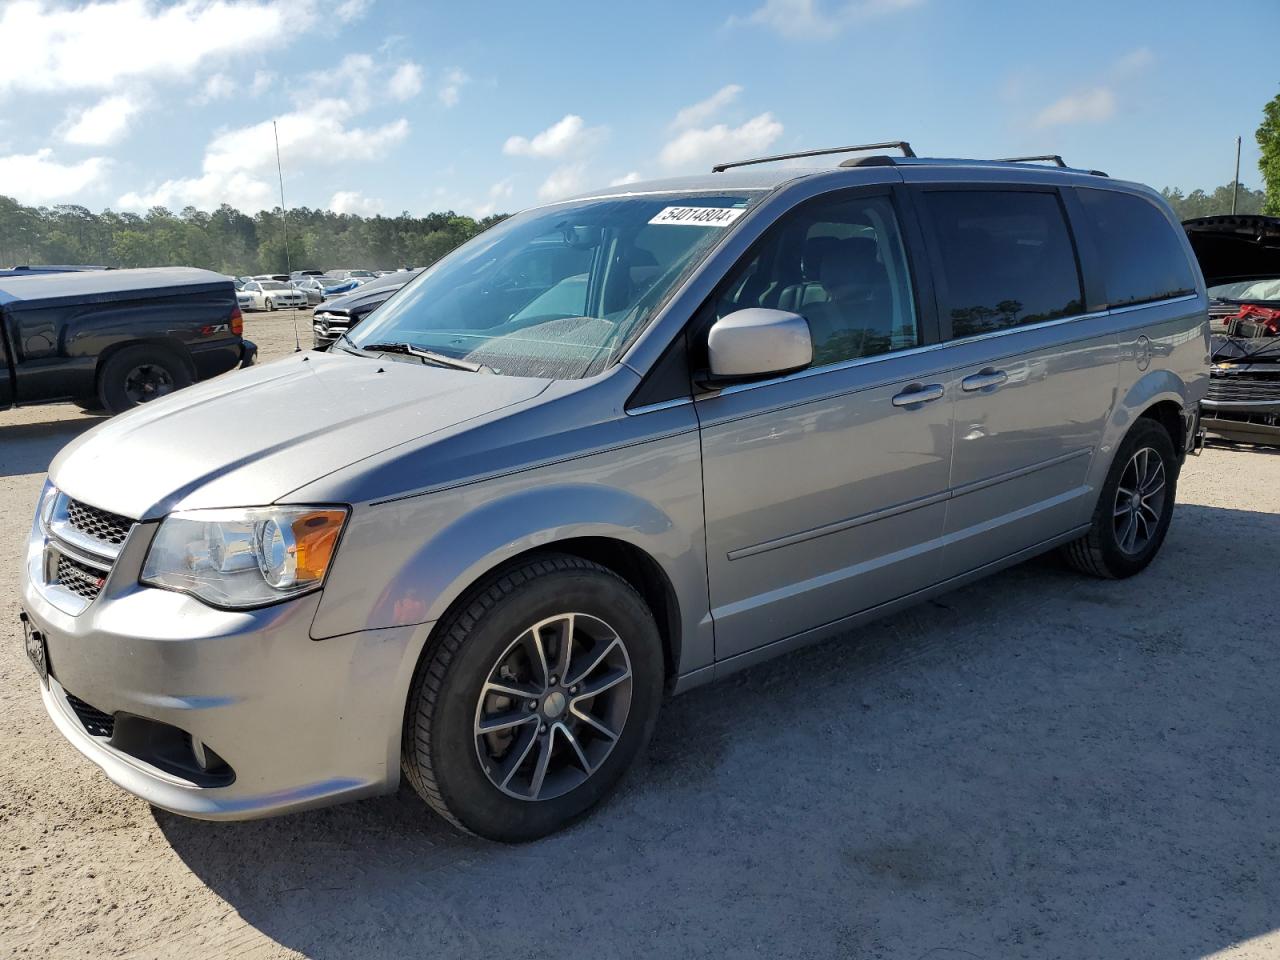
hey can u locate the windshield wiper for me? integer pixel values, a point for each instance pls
(430, 356)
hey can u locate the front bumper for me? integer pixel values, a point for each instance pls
(294, 723)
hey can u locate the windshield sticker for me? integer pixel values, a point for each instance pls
(698, 216)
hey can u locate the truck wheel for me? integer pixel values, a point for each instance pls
(135, 375)
(533, 699)
(1134, 507)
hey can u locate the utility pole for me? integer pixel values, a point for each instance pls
(1235, 184)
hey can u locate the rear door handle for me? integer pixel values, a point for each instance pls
(986, 380)
(918, 393)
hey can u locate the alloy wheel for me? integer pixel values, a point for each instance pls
(1139, 500)
(553, 707)
(146, 382)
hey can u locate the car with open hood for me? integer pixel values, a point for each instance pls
(1240, 258)
(610, 449)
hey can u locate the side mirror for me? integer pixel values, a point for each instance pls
(757, 342)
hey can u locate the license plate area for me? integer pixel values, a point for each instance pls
(37, 648)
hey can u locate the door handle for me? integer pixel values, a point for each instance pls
(917, 394)
(986, 380)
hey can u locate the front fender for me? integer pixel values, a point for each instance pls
(405, 561)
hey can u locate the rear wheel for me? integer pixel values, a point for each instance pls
(136, 375)
(1134, 508)
(535, 697)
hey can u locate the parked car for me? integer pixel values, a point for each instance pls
(340, 314)
(616, 446)
(359, 275)
(313, 287)
(117, 338)
(244, 299)
(299, 274)
(339, 287)
(274, 295)
(1240, 258)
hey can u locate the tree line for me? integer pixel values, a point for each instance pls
(227, 240)
(234, 243)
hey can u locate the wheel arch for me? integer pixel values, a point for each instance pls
(168, 344)
(1160, 395)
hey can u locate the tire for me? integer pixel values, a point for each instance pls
(1106, 550)
(135, 375)
(458, 770)
(271, 304)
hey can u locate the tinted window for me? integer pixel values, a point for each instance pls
(840, 264)
(1141, 253)
(1006, 259)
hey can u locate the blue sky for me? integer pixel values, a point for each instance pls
(390, 105)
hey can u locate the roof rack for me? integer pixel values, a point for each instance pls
(888, 145)
(1055, 158)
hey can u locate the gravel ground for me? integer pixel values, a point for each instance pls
(1039, 765)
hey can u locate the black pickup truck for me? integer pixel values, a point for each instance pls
(116, 338)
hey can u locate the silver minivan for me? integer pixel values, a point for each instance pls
(611, 449)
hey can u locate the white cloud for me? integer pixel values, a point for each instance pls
(1135, 61)
(239, 164)
(563, 181)
(349, 10)
(352, 201)
(1097, 104)
(217, 87)
(1086, 106)
(55, 48)
(818, 19)
(243, 191)
(262, 81)
(704, 146)
(569, 133)
(499, 192)
(451, 89)
(314, 134)
(406, 82)
(704, 110)
(631, 177)
(104, 123)
(39, 178)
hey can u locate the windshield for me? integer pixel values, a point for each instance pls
(272, 285)
(556, 292)
(1256, 290)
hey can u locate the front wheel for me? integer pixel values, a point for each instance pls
(533, 699)
(1134, 508)
(271, 304)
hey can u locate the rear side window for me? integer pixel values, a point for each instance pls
(1141, 253)
(1006, 258)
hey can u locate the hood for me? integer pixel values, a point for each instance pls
(359, 300)
(1235, 248)
(252, 437)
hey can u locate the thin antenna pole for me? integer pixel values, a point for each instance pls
(1235, 184)
(284, 223)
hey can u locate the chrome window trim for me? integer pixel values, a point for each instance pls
(660, 405)
(961, 341)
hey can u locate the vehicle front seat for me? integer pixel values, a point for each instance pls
(856, 319)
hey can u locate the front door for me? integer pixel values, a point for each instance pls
(825, 490)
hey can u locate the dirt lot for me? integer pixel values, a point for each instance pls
(1039, 765)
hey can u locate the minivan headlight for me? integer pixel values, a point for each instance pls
(245, 557)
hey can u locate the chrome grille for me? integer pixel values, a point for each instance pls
(101, 525)
(1245, 387)
(80, 579)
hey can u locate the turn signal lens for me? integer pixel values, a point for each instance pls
(316, 535)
